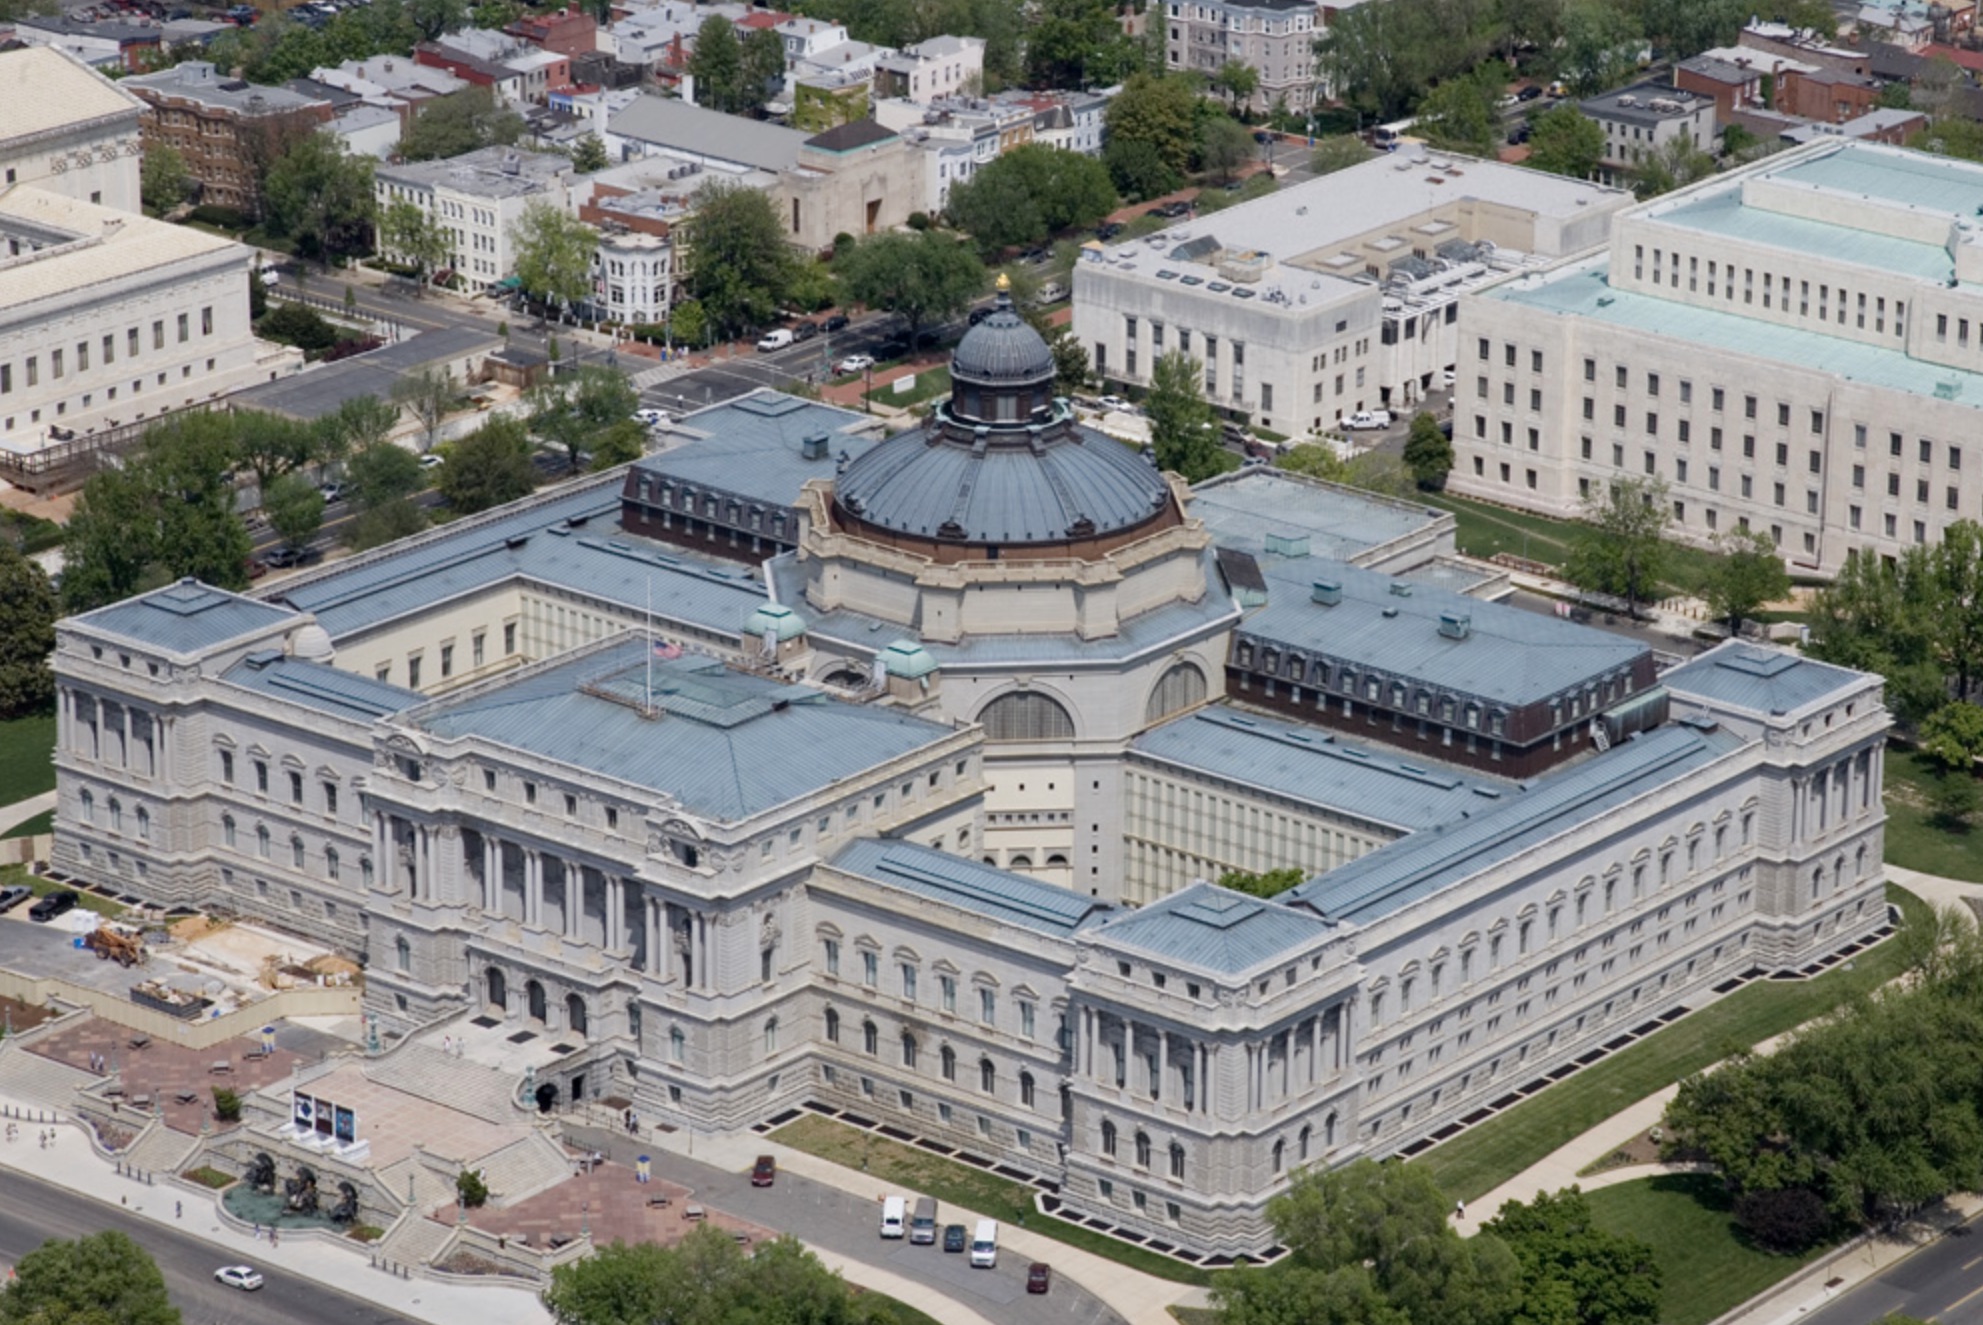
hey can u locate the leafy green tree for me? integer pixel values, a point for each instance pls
(1896, 95)
(553, 253)
(1236, 81)
(1603, 1278)
(1747, 572)
(1138, 169)
(763, 66)
(1067, 38)
(1597, 46)
(1459, 116)
(573, 410)
(1428, 452)
(429, 396)
(1181, 428)
(271, 445)
(382, 479)
(588, 154)
(1683, 28)
(621, 444)
(1030, 193)
(921, 276)
(1672, 165)
(1314, 460)
(1162, 114)
(1953, 799)
(1071, 369)
(1224, 145)
(16, 9)
(109, 542)
(739, 264)
(299, 325)
(295, 509)
(434, 17)
(1953, 736)
(459, 122)
(706, 1277)
(356, 424)
(408, 233)
(163, 180)
(1338, 153)
(1381, 58)
(27, 635)
(320, 196)
(474, 1192)
(1622, 549)
(1271, 883)
(717, 65)
(1565, 141)
(103, 1279)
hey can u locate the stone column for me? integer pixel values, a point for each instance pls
(533, 889)
(423, 865)
(492, 875)
(657, 937)
(574, 897)
(1204, 1078)
(1163, 1064)
(1315, 1053)
(382, 862)
(616, 913)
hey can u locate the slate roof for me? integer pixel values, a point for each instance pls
(1308, 764)
(1216, 929)
(184, 618)
(1773, 681)
(750, 446)
(955, 881)
(850, 136)
(1413, 868)
(327, 689)
(725, 744)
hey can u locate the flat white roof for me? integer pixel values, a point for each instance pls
(132, 244)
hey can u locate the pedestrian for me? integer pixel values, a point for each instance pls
(1459, 1209)
(447, 1046)
(272, 1235)
(178, 1210)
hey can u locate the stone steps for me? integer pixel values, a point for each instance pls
(524, 1167)
(430, 1190)
(415, 1240)
(30, 1079)
(160, 1150)
(425, 1071)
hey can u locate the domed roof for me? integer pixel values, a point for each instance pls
(312, 643)
(1002, 349)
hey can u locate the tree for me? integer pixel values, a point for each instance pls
(1786, 1221)
(921, 276)
(1072, 43)
(320, 196)
(1028, 194)
(408, 233)
(1181, 428)
(1162, 114)
(575, 409)
(1565, 141)
(383, 478)
(27, 635)
(163, 180)
(1747, 572)
(459, 122)
(1622, 549)
(1596, 49)
(1952, 799)
(1953, 736)
(717, 65)
(763, 71)
(1603, 1278)
(1138, 169)
(1428, 452)
(553, 254)
(1272, 883)
(469, 1185)
(1896, 96)
(428, 395)
(1224, 146)
(299, 325)
(359, 422)
(102, 1279)
(588, 154)
(1071, 369)
(271, 445)
(705, 1277)
(434, 17)
(1672, 165)
(1459, 116)
(739, 263)
(1236, 81)
(621, 444)
(295, 508)
(1338, 153)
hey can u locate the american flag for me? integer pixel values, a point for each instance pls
(663, 649)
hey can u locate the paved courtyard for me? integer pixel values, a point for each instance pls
(159, 1074)
(610, 1203)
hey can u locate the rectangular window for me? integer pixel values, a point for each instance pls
(206, 321)
(185, 329)
(987, 1006)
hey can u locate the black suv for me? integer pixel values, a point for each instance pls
(805, 331)
(53, 905)
(838, 322)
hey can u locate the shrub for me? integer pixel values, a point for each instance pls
(1785, 1221)
(209, 1177)
(226, 1105)
(474, 1192)
(298, 325)
(226, 218)
(919, 220)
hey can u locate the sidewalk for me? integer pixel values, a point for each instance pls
(22, 811)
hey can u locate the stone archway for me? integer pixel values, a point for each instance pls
(535, 1002)
(498, 989)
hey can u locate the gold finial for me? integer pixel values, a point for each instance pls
(1004, 283)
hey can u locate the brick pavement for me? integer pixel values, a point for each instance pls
(166, 1071)
(609, 1202)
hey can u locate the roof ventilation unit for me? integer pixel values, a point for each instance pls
(1327, 592)
(814, 447)
(1455, 625)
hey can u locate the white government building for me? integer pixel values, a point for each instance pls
(906, 807)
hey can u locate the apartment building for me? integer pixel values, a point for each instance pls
(1274, 38)
(1640, 121)
(478, 198)
(226, 129)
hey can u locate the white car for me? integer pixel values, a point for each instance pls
(1368, 418)
(1116, 405)
(246, 1278)
(653, 418)
(855, 363)
(430, 460)
(332, 492)
(775, 340)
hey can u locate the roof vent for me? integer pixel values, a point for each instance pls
(1400, 589)
(814, 447)
(1455, 625)
(1327, 592)
(1390, 612)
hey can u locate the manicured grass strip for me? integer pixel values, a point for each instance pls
(1483, 530)
(1706, 1266)
(960, 1184)
(1913, 840)
(41, 823)
(929, 382)
(103, 906)
(27, 758)
(1483, 1157)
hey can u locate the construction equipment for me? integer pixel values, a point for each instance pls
(112, 943)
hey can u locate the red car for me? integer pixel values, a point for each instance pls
(764, 1172)
(1039, 1277)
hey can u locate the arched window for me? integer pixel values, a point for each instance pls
(1027, 716)
(678, 1043)
(1108, 1138)
(402, 952)
(117, 816)
(89, 812)
(534, 1001)
(1280, 1155)
(1329, 1132)
(1177, 1160)
(1301, 1145)
(1020, 861)
(987, 1076)
(1026, 1089)
(908, 1050)
(771, 1037)
(226, 822)
(1142, 1150)
(261, 839)
(949, 1063)
(330, 863)
(1056, 861)
(1178, 689)
(870, 1038)
(575, 1017)
(833, 1025)
(498, 988)
(144, 824)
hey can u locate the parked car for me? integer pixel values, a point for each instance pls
(53, 905)
(1263, 136)
(1036, 256)
(1172, 209)
(244, 1277)
(765, 1171)
(1116, 405)
(651, 417)
(892, 348)
(955, 1238)
(1446, 379)
(805, 331)
(1369, 418)
(255, 568)
(333, 492)
(1039, 1277)
(1520, 134)
(775, 340)
(855, 363)
(282, 558)
(1529, 93)
(429, 460)
(13, 895)
(838, 322)
(1234, 185)
(1109, 231)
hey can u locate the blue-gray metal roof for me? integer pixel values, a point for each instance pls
(724, 743)
(318, 392)
(1508, 656)
(1314, 766)
(1247, 507)
(930, 484)
(752, 446)
(958, 882)
(1763, 680)
(1002, 348)
(187, 617)
(572, 541)
(1413, 868)
(319, 686)
(1215, 929)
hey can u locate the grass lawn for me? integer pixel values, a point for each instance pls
(1913, 840)
(35, 827)
(103, 906)
(27, 758)
(1482, 1158)
(1706, 1266)
(961, 1184)
(929, 382)
(1485, 530)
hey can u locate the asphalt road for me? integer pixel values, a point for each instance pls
(31, 1212)
(1942, 1282)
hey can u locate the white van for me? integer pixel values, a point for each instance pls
(894, 1216)
(922, 1224)
(984, 1245)
(774, 340)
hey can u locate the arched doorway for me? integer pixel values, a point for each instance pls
(547, 1097)
(575, 1013)
(498, 990)
(534, 996)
